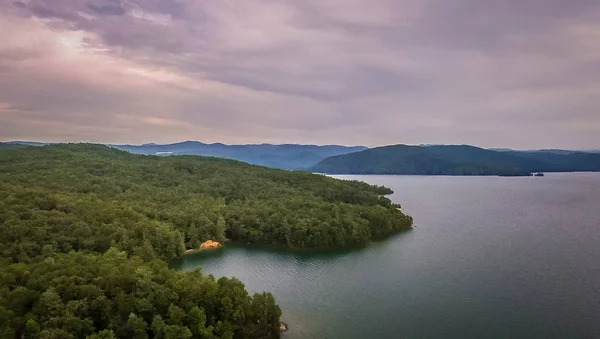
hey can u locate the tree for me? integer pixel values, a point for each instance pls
(137, 327)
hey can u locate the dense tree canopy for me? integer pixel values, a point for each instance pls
(426, 160)
(456, 160)
(90, 197)
(86, 230)
(79, 295)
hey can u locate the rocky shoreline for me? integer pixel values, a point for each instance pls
(207, 245)
(283, 327)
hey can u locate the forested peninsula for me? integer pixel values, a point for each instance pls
(87, 231)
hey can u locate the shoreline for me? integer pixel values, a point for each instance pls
(283, 327)
(301, 251)
(207, 245)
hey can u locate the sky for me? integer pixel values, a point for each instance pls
(497, 73)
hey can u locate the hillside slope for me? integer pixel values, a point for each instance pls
(92, 197)
(565, 161)
(455, 160)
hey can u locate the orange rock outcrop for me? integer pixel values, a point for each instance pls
(209, 244)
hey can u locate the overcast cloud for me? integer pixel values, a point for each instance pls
(497, 73)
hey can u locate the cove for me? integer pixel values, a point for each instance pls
(490, 257)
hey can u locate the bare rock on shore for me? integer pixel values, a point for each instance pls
(210, 244)
(283, 327)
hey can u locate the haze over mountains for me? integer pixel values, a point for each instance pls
(287, 156)
(394, 159)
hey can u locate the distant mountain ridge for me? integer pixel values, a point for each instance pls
(7, 145)
(284, 156)
(428, 159)
(545, 150)
(456, 160)
(26, 143)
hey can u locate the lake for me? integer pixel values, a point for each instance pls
(491, 257)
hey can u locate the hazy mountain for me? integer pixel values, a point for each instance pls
(551, 150)
(398, 159)
(501, 149)
(287, 156)
(456, 160)
(26, 143)
(8, 145)
(562, 161)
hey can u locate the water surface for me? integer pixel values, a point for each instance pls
(490, 257)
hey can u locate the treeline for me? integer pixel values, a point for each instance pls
(65, 207)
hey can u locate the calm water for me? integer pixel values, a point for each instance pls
(490, 258)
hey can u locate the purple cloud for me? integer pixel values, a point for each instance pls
(496, 73)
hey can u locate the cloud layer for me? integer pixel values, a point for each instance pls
(517, 73)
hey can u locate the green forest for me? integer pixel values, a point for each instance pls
(456, 160)
(88, 230)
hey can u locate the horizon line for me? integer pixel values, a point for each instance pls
(286, 144)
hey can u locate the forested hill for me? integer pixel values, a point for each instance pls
(86, 230)
(176, 202)
(456, 160)
(287, 156)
